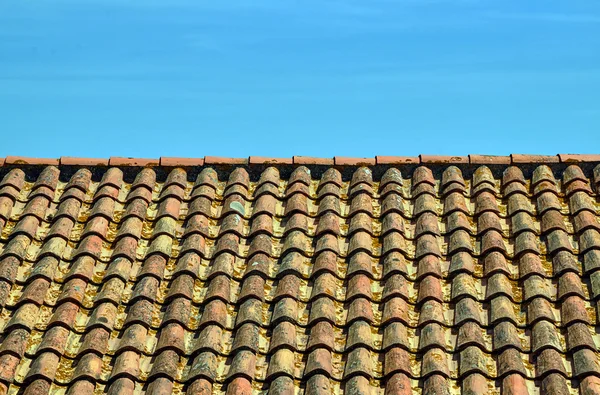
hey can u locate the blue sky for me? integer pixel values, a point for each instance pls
(149, 78)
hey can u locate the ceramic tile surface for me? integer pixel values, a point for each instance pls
(363, 280)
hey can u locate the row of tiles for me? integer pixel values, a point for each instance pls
(304, 160)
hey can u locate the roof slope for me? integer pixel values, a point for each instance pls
(293, 279)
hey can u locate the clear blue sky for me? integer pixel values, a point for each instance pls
(151, 78)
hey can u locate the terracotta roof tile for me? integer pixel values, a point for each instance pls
(396, 160)
(307, 160)
(355, 279)
(522, 158)
(489, 160)
(574, 158)
(121, 161)
(345, 161)
(180, 162)
(261, 160)
(216, 160)
(72, 161)
(428, 159)
(22, 160)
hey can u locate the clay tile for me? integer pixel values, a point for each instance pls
(512, 174)
(473, 360)
(423, 204)
(573, 310)
(207, 176)
(443, 159)
(346, 161)
(579, 336)
(21, 160)
(361, 204)
(429, 265)
(297, 188)
(217, 160)
(361, 188)
(427, 223)
(396, 309)
(580, 201)
(572, 173)
(521, 158)
(585, 362)
(422, 175)
(47, 178)
(549, 361)
(590, 385)
(319, 362)
(397, 360)
(432, 335)
(545, 335)
(509, 362)
(246, 338)
(461, 262)
(180, 162)
(261, 160)
(435, 361)
(328, 223)
(489, 159)
(269, 175)
(281, 363)
(321, 334)
(393, 223)
(455, 202)
(574, 158)
(362, 175)
(306, 160)
(589, 239)
(238, 176)
(547, 201)
(176, 177)
(14, 178)
(358, 363)
(558, 240)
(435, 384)
(514, 188)
(392, 175)
(597, 175)
(506, 335)
(430, 288)
(359, 335)
(396, 160)
(285, 309)
(423, 188)
(330, 176)
(145, 178)
(542, 173)
(81, 180)
(526, 242)
(360, 309)
(470, 334)
(452, 174)
(300, 174)
(73, 161)
(284, 336)
(475, 384)
(483, 175)
(427, 245)
(128, 161)
(205, 365)
(578, 186)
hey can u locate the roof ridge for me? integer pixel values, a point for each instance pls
(303, 160)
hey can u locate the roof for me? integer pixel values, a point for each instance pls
(330, 277)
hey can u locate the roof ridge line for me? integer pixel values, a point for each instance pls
(475, 159)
